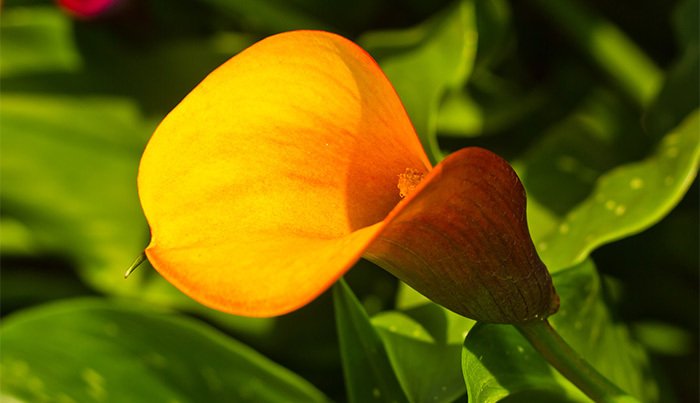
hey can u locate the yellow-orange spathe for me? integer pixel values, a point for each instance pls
(279, 171)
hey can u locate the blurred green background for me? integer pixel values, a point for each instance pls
(576, 94)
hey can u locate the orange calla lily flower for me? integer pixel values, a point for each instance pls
(285, 166)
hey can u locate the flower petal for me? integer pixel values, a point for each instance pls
(461, 239)
(265, 183)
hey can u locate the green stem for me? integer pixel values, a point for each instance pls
(561, 356)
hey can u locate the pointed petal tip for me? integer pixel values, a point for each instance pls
(135, 264)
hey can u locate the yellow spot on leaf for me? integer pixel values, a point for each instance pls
(636, 183)
(564, 228)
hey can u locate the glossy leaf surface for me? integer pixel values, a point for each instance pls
(36, 40)
(414, 61)
(599, 201)
(498, 362)
(368, 373)
(79, 154)
(427, 335)
(131, 353)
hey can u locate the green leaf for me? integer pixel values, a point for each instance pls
(69, 169)
(69, 181)
(627, 199)
(461, 115)
(426, 61)
(593, 179)
(91, 350)
(423, 337)
(368, 374)
(498, 362)
(36, 39)
(407, 297)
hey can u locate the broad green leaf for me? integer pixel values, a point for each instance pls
(16, 237)
(596, 177)
(626, 199)
(368, 374)
(69, 190)
(461, 115)
(92, 350)
(498, 362)
(423, 337)
(561, 169)
(440, 323)
(407, 297)
(427, 372)
(426, 61)
(69, 187)
(35, 40)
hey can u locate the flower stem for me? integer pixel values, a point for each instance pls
(569, 363)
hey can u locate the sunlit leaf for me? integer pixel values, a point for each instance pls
(69, 190)
(498, 362)
(425, 61)
(626, 199)
(423, 337)
(407, 297)
(35, 40)
(461, 115)
(69, 173)
(368, 374)
(590, 179)
(90, 350)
